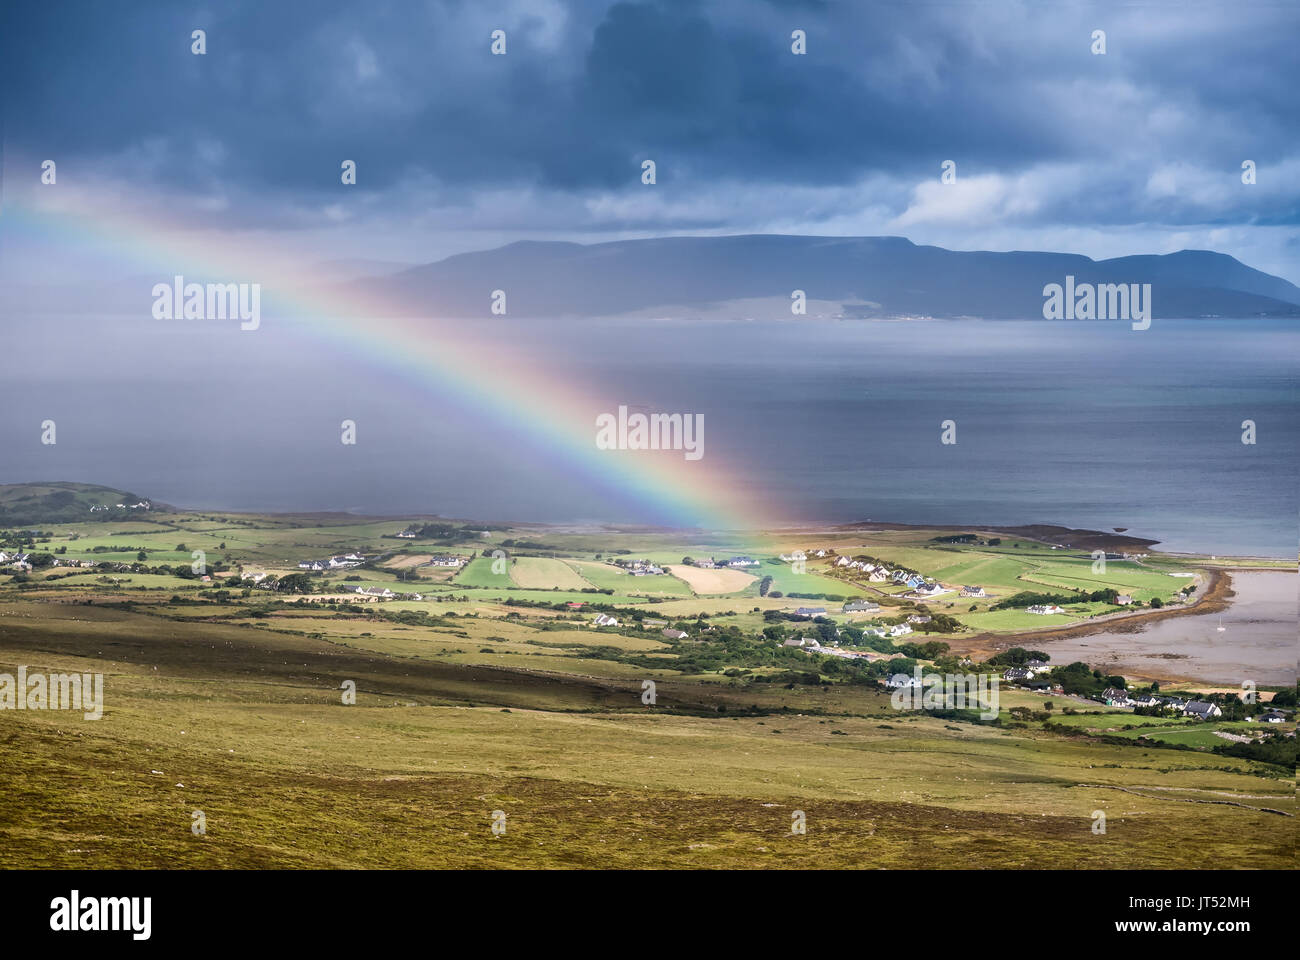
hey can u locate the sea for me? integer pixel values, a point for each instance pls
(1084, 424)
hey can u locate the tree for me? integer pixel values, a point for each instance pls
(142, 556)
(1156, 603)
(294, 583)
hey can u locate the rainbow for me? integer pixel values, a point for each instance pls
(458, 361)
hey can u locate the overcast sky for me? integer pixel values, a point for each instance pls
(1138, 150)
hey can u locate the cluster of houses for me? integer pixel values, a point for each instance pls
(139, 505)
(22, 562)
(804, 555)
(16, 561)
(876, 573)
(1027, 671)
(1198, 709)
(640, 568)
(341, 562)
(448, 560)
(920, 587)
(735, 563)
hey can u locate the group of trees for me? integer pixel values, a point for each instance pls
(1028, 599)
(929, 650)
(1082, 680)
(1017, 657)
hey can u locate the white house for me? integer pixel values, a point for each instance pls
(860, 606)
(1203, 710)
(903, 681)
(605, 620)
(1046, 609)
(1115, 697)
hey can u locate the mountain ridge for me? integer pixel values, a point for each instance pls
(896, 275)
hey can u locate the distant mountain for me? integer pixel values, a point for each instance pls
(870, 276)
(60, 502)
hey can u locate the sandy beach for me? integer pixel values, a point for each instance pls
(1257, 610)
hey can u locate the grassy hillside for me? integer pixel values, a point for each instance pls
(491, 693)
(246, 724)
(57, 502)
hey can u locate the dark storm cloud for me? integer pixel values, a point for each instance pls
(710, 91)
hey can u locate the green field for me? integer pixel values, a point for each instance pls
(608, 577)
(228, 700)
(478, 573)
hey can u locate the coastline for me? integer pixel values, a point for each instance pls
(1216, 598)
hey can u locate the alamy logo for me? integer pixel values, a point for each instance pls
(655, 431)
(55, 691)
(179, 300)
(1105, 301)
(73, 913)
